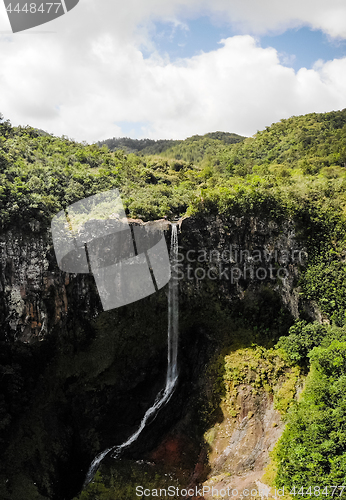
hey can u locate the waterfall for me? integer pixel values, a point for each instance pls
(173, 312)
(172, 369)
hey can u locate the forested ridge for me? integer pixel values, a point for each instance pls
(168, 146)
(302, 158)
(294, 169)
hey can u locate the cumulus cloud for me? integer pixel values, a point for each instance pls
(90, 76)
(260, 17)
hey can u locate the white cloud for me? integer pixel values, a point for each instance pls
(261, 16)
(89, 76)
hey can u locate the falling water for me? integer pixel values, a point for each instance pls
(173, 312)
(172, 369)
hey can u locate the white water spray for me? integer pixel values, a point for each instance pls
(172, 368)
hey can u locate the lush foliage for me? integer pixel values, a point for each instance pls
(198, 148)
(302, 338)
(264, 370)
(294, 169)
(175, 148)
(312, 448)
(146, 146)
(41, 174)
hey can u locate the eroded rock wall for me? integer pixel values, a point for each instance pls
(78, 379)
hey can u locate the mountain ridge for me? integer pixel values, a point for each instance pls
(157, 146)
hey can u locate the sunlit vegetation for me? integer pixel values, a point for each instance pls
(312, 448)
(296, 166)
(294, 169)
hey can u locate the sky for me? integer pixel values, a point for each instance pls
(172, 69)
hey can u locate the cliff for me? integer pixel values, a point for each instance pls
(76, 379)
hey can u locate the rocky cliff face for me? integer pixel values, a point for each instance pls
(236, 253)
(77, 379)
(33, 290)
(244, 253)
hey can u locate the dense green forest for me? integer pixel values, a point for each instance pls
(291, 165)
(164, 146)
(312, 451)
(149, 146)
(294, 169)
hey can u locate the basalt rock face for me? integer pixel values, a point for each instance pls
(243, 254)
(33, 290)
(76, 380)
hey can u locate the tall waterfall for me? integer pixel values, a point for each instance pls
(173, 312)
(172, 368)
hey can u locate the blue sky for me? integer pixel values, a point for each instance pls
(306, 46)
(132, 129)
(297, 48)
(189, 38)
(157, 69)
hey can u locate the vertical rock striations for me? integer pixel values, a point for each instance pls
(76, 379)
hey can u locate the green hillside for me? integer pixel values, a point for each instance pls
(146, 146)
(190, 149)
(293, 170)
(197, 148)
(290, 164)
